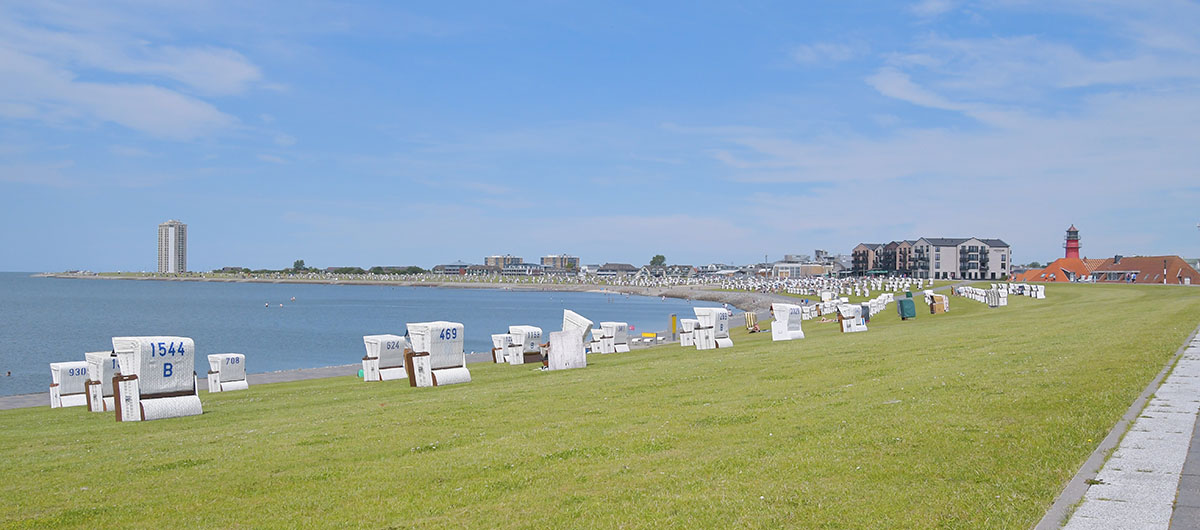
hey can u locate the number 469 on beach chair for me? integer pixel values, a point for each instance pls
(437, 356)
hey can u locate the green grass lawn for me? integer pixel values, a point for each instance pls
(972, 419)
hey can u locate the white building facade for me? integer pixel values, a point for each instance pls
(961, 258)
(172, 247)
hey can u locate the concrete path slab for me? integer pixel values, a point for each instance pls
(1136, 487)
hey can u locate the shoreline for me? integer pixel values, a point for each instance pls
(742, 300)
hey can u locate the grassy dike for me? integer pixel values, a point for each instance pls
(973, 419)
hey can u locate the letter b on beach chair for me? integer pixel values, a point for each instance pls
(713, 330)
(227, 371)
(157, 378)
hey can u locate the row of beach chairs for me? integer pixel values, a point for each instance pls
(143, 378)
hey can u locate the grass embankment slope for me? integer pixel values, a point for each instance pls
(971, 419)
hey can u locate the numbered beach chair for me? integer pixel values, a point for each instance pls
(67, 384)
(436, 357)
(566, 350)
(713, 329)
(500, 344)
(384, 360)
(786, 325)
(526, 345)
(157, 378)
(102, 366)
(687, 333)
(851, 319)
(616, 337)
(226, 372)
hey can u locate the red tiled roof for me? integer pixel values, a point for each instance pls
(1061, 270)
(1149, 269)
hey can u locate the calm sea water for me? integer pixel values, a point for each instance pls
(44, 320)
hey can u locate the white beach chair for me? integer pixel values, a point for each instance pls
(687, 327)
(575, 321)
(526, 345)
(616, 337)
(384, 360)
(157, 378)
(597, 339)
(787, 322)
(67, 384)
(102, 366)
(227, 372)
(713, 330)
(500, 344)
(851, 318)
(437, 357)
(566, 350)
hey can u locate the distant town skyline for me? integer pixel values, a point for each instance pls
(385, 134)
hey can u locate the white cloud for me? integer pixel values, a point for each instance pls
(77, 65)
(57, 96)
(272, 159)
(896, 84)
(205, 69)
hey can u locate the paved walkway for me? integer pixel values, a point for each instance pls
(1187, 499)
(1136, 487)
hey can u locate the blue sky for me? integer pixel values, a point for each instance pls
(423, 133)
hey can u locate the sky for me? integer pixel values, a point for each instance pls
(399, 133)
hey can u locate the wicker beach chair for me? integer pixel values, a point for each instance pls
(67, 384)
(226, 372)
(157, 378)
(786, 324)
(384, 360)
(102, 366)
(436, 357)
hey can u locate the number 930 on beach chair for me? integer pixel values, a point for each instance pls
(157, 378)
(437, 357)
(227, 371)
(67, 384)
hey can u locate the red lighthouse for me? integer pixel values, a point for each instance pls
(1072, 244)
